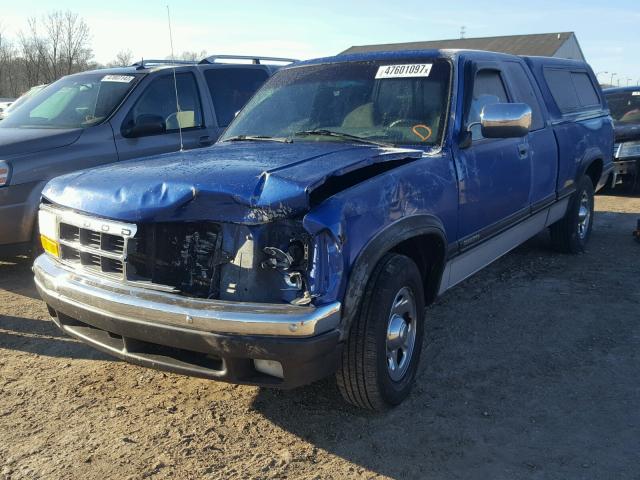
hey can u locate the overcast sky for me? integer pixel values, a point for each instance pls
(608, 31)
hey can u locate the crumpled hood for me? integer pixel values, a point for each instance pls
(31, 140)
(626, 132)
(236, 182)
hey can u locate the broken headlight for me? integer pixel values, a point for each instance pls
(310, 266)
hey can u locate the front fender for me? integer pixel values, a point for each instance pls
(377, 247)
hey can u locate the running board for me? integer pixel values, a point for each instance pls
(466, 264)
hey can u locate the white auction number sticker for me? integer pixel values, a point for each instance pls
(635, 93)
(404, 71)
(118, 78)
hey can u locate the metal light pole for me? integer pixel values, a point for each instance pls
(603, 71)
(612, 75)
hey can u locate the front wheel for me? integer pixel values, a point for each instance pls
(572, 232)
(382, 352)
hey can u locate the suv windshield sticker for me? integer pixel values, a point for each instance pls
(404, 71)
(117, 78)
(635, 93)
(422, 132)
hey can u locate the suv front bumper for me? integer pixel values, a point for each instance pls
(205, 338)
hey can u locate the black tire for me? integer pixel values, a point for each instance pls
(363, 377)
(566, 234)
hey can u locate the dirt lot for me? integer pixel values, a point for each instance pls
(531, 370)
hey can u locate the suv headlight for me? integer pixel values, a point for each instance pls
(5, 173)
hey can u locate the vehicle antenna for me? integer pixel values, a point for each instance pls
(175, 82)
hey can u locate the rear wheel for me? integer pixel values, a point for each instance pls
(571, 233)
(382, 351)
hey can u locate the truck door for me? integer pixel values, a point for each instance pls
(494, 173)
(543, 149)
(157, 104)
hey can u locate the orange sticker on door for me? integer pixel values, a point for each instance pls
(422, 132)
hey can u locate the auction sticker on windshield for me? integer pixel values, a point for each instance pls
(404, 71)
(118, 78)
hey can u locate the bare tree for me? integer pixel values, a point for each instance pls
(9, 81)
(50, 46)
(123, 58)
(192, 56)
(75, 51)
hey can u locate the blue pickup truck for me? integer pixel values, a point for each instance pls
(345, 197)
(114, 114)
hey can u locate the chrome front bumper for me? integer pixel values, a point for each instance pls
(65, 289)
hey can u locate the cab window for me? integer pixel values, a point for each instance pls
(231, 89)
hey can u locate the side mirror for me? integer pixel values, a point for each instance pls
(505, 120)
(145, 125)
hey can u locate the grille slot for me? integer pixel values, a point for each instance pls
(70, 233)
(111, 265)
(90, 261)
(70, 254)
(112, 243)
(90, 238)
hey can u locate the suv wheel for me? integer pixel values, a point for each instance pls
(382, 352)
(571, 233)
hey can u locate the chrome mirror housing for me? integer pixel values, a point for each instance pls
(505, 120)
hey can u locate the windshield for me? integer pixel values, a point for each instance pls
(78, 101)
(625, 106)
(397, 103)
(31, 92)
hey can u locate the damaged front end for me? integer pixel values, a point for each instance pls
(277, 262)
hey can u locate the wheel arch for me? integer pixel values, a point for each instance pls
(420, 237)
(593, 168)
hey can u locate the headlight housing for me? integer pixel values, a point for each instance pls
(5, 173)
(48, 227)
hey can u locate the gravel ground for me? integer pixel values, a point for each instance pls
(530, 370)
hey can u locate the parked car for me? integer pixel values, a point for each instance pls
(624, 104)
(346, 196)
(4, 113)
(5, 103)
(110, 115)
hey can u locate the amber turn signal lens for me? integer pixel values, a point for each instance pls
(50, 246)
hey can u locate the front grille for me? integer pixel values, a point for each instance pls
(180, 257)
(94, 245)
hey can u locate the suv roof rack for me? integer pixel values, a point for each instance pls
(144, 63)
(256, 60)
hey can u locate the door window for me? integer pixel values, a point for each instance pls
(159, 99)
(488, 89)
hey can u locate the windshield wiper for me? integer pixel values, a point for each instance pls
(330, 133)
(257, 138)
